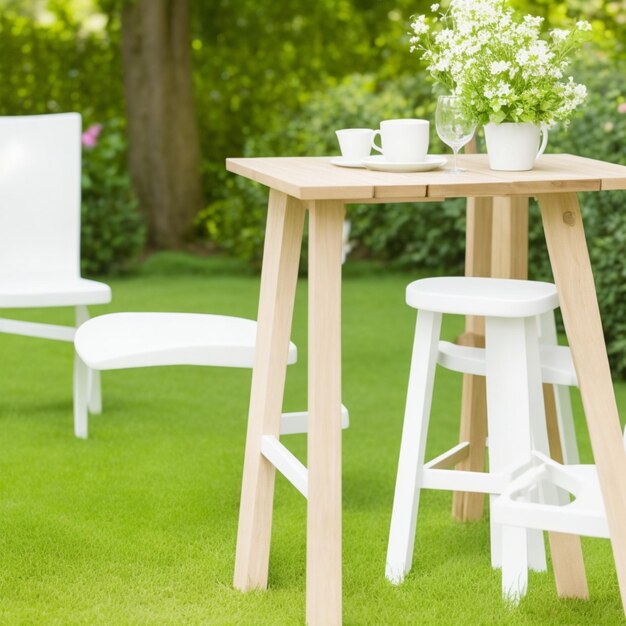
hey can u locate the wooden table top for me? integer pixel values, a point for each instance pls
(314, 178)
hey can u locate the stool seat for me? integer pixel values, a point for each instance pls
(124, 340)
(489, 297)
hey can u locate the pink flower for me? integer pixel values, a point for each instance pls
(621, 108)
(89, 138)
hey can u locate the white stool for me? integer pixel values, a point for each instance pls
(512, 363)
(515, 511)
(127, 340)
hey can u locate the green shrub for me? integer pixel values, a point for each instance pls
(58, 66)
(113, 232)
(236, 221)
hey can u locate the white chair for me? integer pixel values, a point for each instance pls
(127, 340)
(515, 365)
(40, 210)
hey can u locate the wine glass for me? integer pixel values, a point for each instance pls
(454, 127)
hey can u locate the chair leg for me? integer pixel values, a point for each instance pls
(94, 393)
(80, 398)
(514, 400)
(415, 428)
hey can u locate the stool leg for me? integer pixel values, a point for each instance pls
(514, 397)
(565, 420)
(514, 563)
(562, 401)
(415, 428)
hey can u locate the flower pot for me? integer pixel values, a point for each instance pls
(514, 147)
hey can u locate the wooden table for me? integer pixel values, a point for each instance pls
(301, 184)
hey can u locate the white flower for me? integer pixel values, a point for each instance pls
(419, 25)
(503, 89)
(533, 21)
(558, 34)
(442, 65)
(502, 66)
(497, 67)
(583, 25)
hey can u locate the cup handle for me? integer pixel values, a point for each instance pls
(544, 142)
(376, 132)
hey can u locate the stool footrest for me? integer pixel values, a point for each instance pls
(557, 366)
(460, 480)
(584, 515)
(450, 458)
(439, 475)
(286, 463)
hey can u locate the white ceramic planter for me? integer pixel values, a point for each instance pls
(514, 147)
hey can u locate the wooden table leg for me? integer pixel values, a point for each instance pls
(283, 241)
(509, 249)
(566, 550)
(323, 593)
(569, 257)
(496, 245)
(470, 506)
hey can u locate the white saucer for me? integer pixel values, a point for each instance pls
(379, 163)
(343, 162)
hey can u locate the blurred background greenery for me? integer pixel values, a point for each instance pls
(277, 78)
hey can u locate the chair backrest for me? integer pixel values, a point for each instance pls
(40, 178)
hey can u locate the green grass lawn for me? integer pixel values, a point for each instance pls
(137, 525)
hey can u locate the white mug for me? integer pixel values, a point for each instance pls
(514, 147)
(403, 141)
(355, 143)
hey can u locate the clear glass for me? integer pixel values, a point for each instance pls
(454, 128)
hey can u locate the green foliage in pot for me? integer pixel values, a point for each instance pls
(499, 63)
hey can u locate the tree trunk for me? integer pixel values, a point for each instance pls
(164, 148)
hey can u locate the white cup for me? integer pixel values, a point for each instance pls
(403, 141)
(355, 143)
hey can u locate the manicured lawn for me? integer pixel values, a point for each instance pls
(137, 525)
